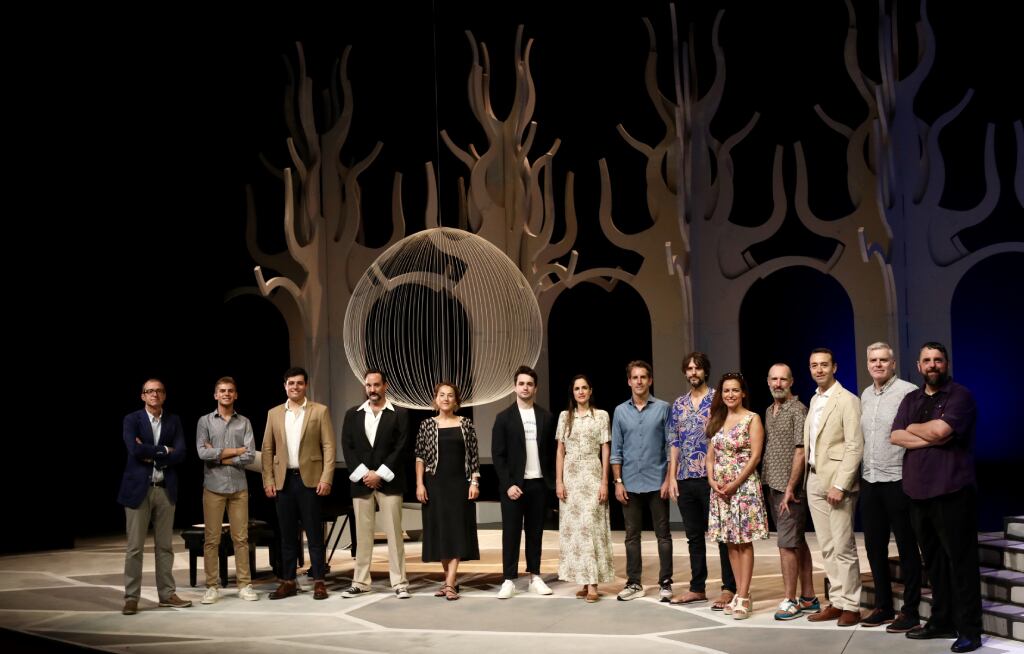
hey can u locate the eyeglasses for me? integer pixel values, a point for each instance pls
(154, 391)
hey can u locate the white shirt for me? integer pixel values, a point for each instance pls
(370, 424)
(818, 402)
(529, 417)
(293, 431)
(158, 475)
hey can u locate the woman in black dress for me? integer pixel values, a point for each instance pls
(447, 481)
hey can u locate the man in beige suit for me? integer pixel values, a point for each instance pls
(298, 467)
(833, 446)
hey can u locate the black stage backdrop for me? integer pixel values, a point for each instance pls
(133, 146)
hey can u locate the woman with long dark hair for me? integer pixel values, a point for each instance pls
(581, 483)
(447, 482)
(737, 511)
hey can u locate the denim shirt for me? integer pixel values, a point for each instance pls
(638, 444)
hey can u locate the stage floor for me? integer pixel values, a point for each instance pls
(75, 596)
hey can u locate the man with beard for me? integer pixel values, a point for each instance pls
(373, 438)
(784, 431)
(936, 426)
(687, 463)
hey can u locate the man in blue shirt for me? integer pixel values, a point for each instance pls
(640, 469)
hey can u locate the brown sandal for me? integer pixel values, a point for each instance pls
(440, 591)
(450, 593)
(581, 594)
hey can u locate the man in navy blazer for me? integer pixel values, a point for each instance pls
(523, 453)
(373, 437)
(149, 490)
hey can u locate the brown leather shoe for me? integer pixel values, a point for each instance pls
(319, 590)
(131, 607)
(849, 618)
(827, 614)
(287, 588)
(175, 602)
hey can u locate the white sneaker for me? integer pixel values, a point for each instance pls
(538, 586)
(211, 596)
(402, 593)
(631, 592)
(248, 593)
(508, 589)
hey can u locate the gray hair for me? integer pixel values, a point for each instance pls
(881, 345)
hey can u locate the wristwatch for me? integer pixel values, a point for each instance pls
(618, 480)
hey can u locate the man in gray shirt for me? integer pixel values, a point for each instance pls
(225, 443)
(884, 506)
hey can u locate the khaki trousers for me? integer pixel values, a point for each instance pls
(158, 509)
(365, 514)
(834, 528)
(237, 505)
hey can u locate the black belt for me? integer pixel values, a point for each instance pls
(294, 471)
(158, 484)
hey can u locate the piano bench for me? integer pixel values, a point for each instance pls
(260, 533)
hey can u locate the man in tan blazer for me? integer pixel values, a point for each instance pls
(833, 446)
(298, 467)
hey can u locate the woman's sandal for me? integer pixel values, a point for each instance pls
(450, 593)
(440, 591)
(741, 608)
(581, 594)
(722, 604)
(592, 597)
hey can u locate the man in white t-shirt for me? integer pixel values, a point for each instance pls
(523, 452)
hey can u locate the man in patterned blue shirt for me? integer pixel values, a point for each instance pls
(684, 431)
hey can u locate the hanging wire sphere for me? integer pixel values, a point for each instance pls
(443, 305)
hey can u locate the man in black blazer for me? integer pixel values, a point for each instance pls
(373, 438)
(149, 490)
(523, 453)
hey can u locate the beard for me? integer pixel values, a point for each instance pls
(936, 378)
(780, 394)
(696, 381)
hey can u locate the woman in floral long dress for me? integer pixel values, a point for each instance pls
(737, 512)
(581, 483)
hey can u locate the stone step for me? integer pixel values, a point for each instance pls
(1002, 553)
(998, 618)
(994, 551)
(997, 584)
(1013, 527)
(1003, 586)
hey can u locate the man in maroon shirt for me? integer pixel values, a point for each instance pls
(936, 425)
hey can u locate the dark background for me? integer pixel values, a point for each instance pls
(134, 146)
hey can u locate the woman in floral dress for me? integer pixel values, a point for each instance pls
(581, 483)
(737, 512)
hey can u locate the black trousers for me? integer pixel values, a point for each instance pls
(633, 514)
(523, 515)
(947, 529)
(694, 500)
(884, 507)
(296, 501)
